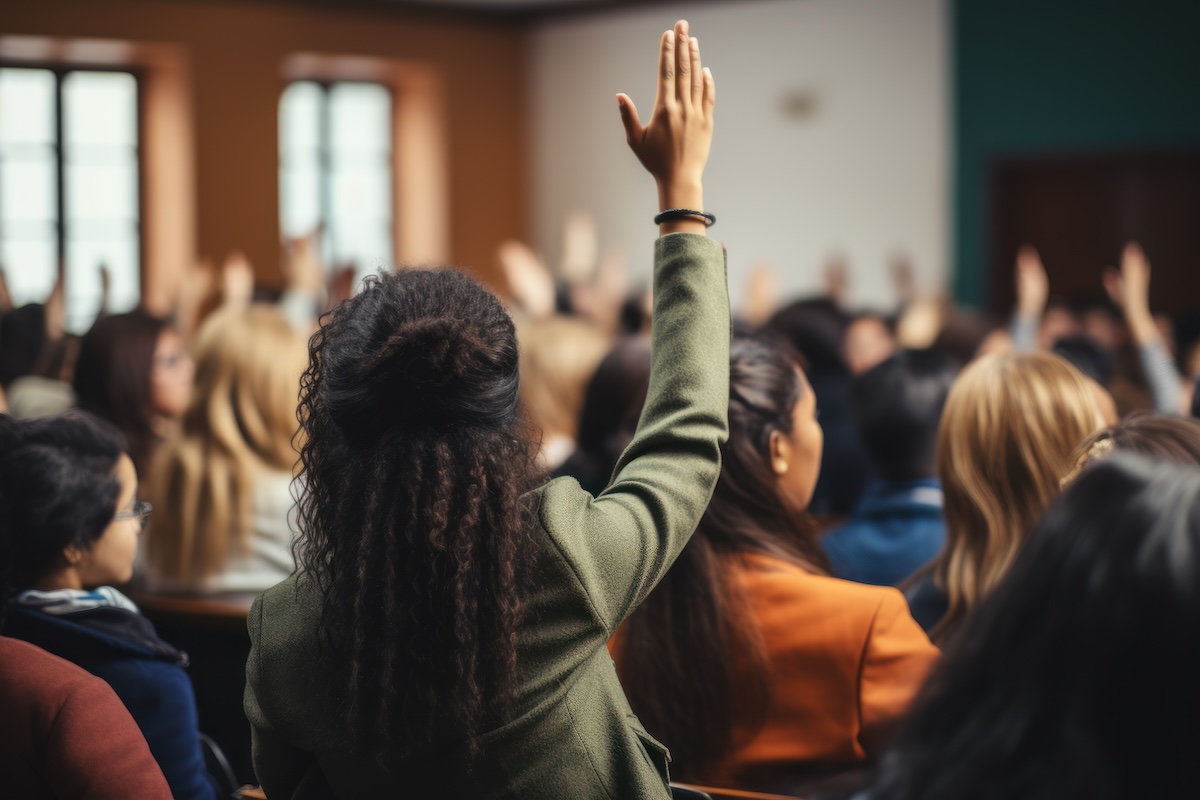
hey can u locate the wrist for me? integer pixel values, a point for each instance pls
(681, 194)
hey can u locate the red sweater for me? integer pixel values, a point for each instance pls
(67, 735)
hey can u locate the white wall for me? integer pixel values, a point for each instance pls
(865, 174)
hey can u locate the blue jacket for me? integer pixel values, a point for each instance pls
(896, 529)
(145, 672)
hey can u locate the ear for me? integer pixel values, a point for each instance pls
(781, 453)
(72, 555)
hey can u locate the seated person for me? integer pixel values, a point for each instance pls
(897, 527)
(1076, 679)
(758, 668)
(222, 481)
(69, 526)
(1008, 432)
(66, 735)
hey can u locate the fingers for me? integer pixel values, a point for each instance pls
(683, 64)
(710, 92)
(634, 131)
(1114, 285)
(1134, 258)
(697, 74)
(666, 70)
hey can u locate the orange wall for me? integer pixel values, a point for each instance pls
(235, 53)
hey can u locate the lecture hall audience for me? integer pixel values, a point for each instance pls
(485, 507)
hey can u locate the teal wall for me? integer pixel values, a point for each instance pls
(1044, 76)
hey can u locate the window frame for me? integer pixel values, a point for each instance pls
(325, 163)
(60, 71)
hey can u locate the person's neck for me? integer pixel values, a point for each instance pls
(67, 578)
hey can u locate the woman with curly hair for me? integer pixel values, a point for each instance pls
(445, 636)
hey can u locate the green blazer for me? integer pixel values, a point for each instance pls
(573, 735)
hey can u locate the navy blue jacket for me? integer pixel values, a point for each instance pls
(122, 647)
(896, 529)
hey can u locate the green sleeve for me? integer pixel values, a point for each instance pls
(622, 543)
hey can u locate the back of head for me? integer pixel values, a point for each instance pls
(898, 407)
(1009, 428)
(58, 487)
(611, 408)
(1088, 646)
(412, 523)
(113, 375)
(241, 419)
(1086, 355)
(816, 328)
(1157, 437)
(22, 340)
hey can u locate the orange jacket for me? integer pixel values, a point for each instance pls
(845, 660)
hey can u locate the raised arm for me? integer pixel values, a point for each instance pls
(1130, 290)
(622, 543)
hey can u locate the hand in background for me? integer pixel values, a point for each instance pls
(674, 144)
(1129, 289)
(1033, 284)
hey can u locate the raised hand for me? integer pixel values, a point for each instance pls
(1130, 290)
(1033, 285)
(674, 144)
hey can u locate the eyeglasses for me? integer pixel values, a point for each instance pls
(140, 511)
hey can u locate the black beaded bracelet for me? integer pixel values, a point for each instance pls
(672, 214)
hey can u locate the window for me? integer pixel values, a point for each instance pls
(335, 169)
(69, 193)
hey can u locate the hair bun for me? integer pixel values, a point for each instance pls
(433, 369)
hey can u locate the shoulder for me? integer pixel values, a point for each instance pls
(29, 670)
(786, 595)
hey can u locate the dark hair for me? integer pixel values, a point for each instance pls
(413, 526)
(58, 488)
(898, 407)
(611, 407)
(816, 327)
(1077, 676)
(1087, 356)
(677, 667)
(113, 376)
(1158, 437)
(963, 333)
(22, 341)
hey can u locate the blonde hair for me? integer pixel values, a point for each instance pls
(241, 420)
(559, 355)
(1009, 429)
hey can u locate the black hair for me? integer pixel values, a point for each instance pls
(413, 525)
(898, 407)
(58, 488)
(22, 341)
(611, 407)
(1076, 677)
(1087, 355)
(816, 327)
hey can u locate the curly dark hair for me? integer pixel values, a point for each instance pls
(413, 524)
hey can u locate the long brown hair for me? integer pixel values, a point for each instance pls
(413, 525)
(675, 662)
(1010, 426)
(113, 375)
(240, 421)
